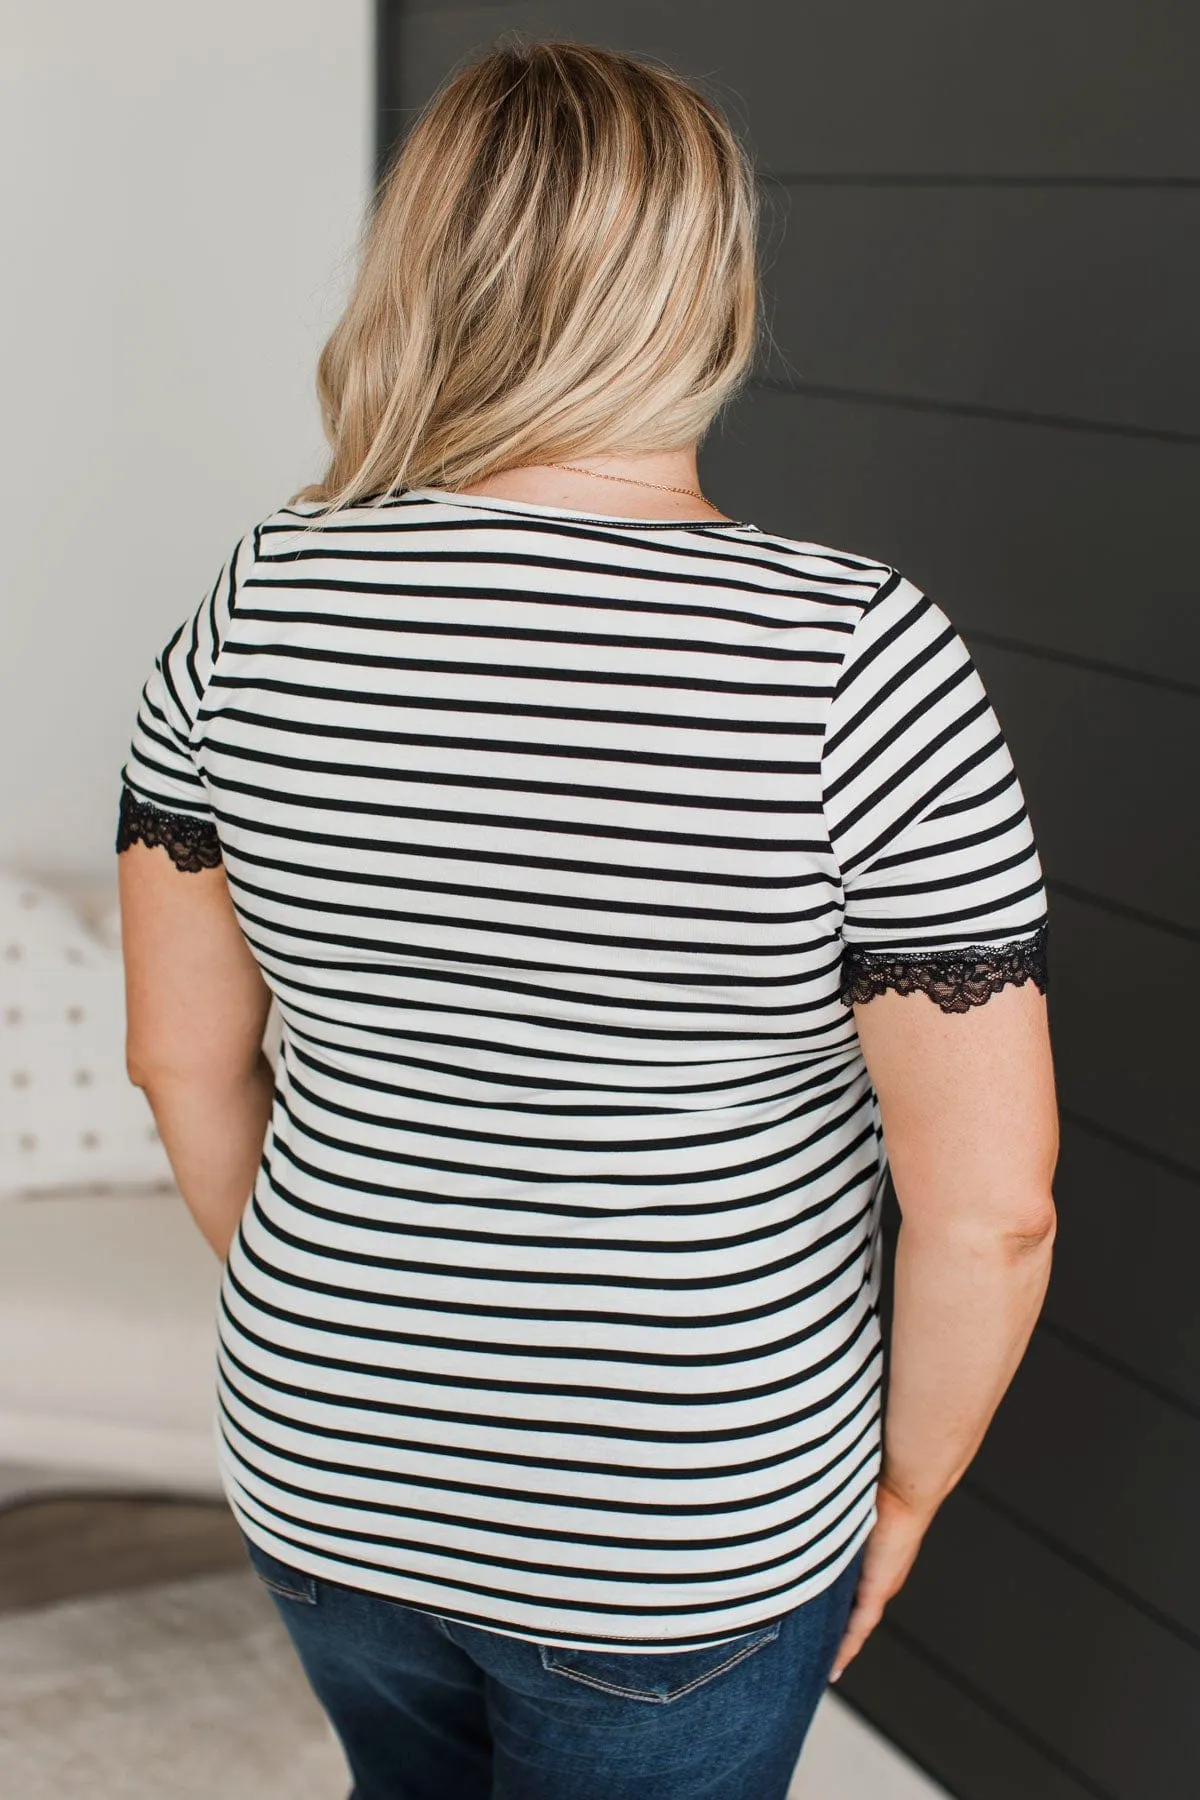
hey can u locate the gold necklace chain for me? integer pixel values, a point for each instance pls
(631, 481)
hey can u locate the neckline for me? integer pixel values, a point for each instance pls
(492, 503)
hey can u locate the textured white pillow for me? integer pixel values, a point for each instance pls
(69, 1115)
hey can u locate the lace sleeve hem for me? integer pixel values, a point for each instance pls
(191, 843)
(955, 980)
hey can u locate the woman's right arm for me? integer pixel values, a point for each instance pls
(970, 1123)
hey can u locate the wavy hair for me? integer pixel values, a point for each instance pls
(560, 261)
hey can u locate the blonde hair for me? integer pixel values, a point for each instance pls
(560, 262)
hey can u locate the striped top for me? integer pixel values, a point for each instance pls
(563, 842)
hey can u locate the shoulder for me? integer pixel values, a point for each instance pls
(298, 529)
(855, 566)
(266, 537)
(878, 611)
(187, 658)
(847, 584)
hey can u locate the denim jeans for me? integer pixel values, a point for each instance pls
(428, 1709)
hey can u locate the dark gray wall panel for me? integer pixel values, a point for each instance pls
(1122, 1014)
(955, 1734)
(1125, 1262)
(1080, 543)
(1082, 1670)
(1076, 87)
(1078, 302)
(1092, 750)
(1056, 1453)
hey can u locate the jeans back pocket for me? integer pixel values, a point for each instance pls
(280, 1577)
(657, 1677)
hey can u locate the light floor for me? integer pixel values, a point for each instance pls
(845, 1759)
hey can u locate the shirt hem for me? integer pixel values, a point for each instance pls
(298, 1556)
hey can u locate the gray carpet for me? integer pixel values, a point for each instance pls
(187, 1691)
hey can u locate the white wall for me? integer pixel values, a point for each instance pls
(183, 190)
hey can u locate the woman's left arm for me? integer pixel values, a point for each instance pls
(196, 1009)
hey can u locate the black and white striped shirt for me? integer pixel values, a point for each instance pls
(563, 842)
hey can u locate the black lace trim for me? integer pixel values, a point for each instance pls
(955, 980)
(192, 844)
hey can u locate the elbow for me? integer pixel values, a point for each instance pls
(1033, 1232)
(194, 1068)
(146, 1070)
(147, 1062)
(1009, 1230)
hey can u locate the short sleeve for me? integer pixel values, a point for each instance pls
(164, 799)
(942, 884)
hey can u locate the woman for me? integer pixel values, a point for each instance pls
(626, 876)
